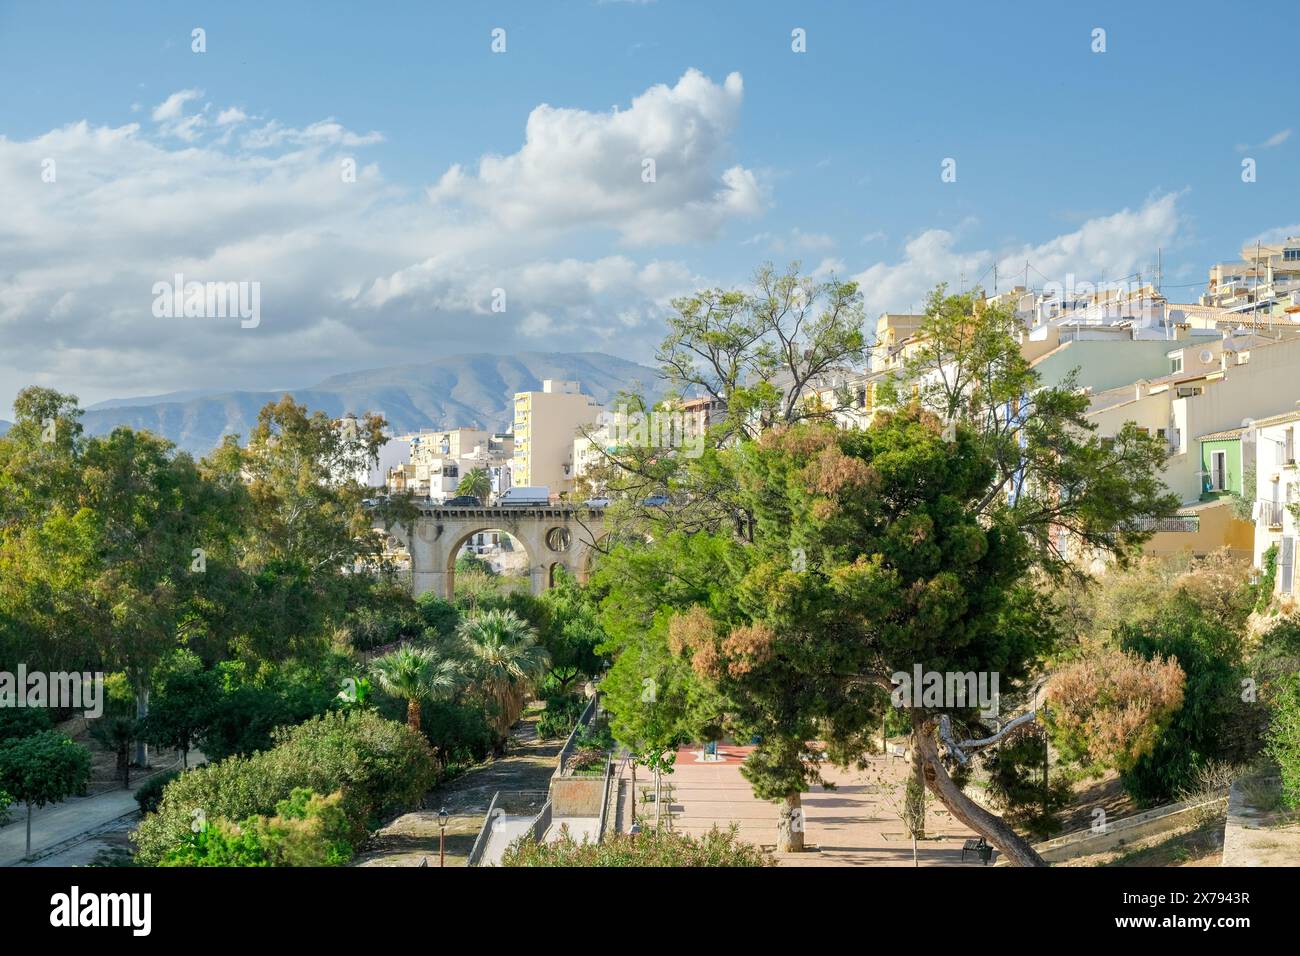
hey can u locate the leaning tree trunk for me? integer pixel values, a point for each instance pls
(917, 814)
(992, 828)
(789, 825)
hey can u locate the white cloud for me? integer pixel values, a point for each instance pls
(793, 243)
(1277, 139)
(324, 133)
(1101, 250)
(351, 273)
(579, 168)
(172, 107)
(1278, 234)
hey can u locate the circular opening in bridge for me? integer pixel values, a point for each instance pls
(559, 539)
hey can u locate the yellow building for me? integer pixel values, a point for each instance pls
(546, 423)
(894, 331)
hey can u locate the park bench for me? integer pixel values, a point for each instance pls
(979, 847)
(666, 789)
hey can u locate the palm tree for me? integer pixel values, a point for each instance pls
(505, 662)
(416, 674)
(475, 482)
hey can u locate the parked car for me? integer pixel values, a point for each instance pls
(522, 495)
(596, 503)
(656, 501)
(463, 501)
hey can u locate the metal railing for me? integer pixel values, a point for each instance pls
(542, 823)
(480, 842)
(1272, 512)
(516, 803)
(1177, 523)
(610, 777)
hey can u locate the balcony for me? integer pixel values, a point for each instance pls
(1271, 513)
(1188, 524)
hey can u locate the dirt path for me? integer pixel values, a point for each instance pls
(412, 837)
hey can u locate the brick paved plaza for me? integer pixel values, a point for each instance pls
(853, 825)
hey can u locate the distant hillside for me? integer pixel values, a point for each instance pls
(470, 390)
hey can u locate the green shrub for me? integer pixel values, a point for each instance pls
(1208, 726)
(469, 563)
(150, 793)
(596, 736)
(459, 732)
(1284, 740)
(18, 722)
(1268, 561)
(437, 615)
(307, 830)
(378, 765)
(561, 713)
(653, 848)
(246, 713)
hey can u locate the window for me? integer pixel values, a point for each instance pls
(1176, 364)
(1291, 255)
(1218, 470)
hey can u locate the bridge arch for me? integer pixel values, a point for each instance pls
(561, 535)
(463, 538)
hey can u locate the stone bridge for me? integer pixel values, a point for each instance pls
(554, 536)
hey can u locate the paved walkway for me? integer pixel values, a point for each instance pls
(506, 831)
(61, 821)
(853, 825)
(1254, 835)
(413, 837)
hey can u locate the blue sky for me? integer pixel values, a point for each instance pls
(1078, 161)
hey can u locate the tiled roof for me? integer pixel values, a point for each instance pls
(1276, 419)
(1227, 433)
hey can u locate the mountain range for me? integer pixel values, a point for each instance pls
(475, 390)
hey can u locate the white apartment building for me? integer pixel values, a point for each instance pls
(1277, 488)
(1265, 281)
(1211, 386)
(439, 459)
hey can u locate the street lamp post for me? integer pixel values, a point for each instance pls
(442, 837)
